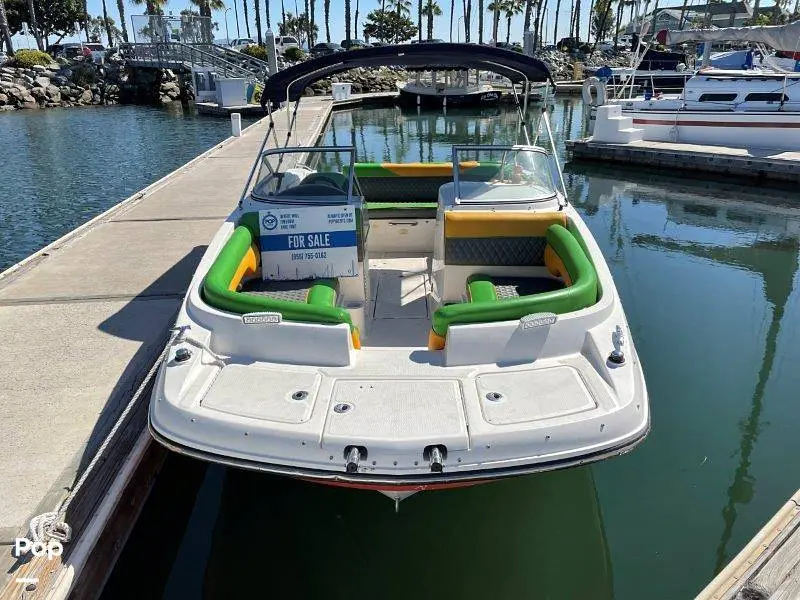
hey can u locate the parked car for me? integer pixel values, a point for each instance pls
(325, 48)
(284, 42)
(350, 44)
(428, 41)
(379, 44)
(240, 44)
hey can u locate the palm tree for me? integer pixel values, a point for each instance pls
(511, 8)
(467, 6)
(480, 21)
(577, 19)
(107, 23)
(312, 25)
(452, 14)
(526, 24)
(152, 7)
(555, 22)
(246, 18)
(347, 19)
(431, 9)
(419, 20)
(328, 21)
(495, 7)
(257, 9)
(121, 10)
(5, 32)
(283, 14)
(266, 8)
(355, 21)
(34, 27)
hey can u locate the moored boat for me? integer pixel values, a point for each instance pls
(402, 327)
(447, 88)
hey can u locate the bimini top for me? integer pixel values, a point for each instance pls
(290, 83)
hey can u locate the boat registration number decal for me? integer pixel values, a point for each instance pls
(307, 242)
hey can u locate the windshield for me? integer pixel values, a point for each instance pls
(511, 174)
(308, 173)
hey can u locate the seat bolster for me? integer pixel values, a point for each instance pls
(481, 289)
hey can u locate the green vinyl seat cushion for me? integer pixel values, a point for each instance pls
(485, 306)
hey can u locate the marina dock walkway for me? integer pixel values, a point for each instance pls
(85, 318)
(779, 165)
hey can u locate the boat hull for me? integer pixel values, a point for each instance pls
(402, 486)
(774, 130)
(470, 100)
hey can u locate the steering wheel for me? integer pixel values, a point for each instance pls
(324, 179)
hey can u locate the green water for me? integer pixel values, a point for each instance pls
(708, 274)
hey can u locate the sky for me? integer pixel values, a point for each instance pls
(441, 27)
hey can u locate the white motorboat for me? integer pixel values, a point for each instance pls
(402, 327)
(754, 108)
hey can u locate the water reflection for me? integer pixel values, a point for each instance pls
(765, 242)
(521, 538)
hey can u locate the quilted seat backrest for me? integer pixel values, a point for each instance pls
(502, 238)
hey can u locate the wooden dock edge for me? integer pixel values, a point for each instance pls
(729, 582)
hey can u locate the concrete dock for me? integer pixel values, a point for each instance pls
(83, 320)
(769, 566)
(752, 163)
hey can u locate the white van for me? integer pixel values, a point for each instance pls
(240, 44)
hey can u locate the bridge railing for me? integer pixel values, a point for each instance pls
(227, 63)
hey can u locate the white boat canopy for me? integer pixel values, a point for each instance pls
(780, 37)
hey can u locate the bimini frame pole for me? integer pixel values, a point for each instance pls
(520, 112)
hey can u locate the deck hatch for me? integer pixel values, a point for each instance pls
(259, 393)
(406, 414)
(533, 395)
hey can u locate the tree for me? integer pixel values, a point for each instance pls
(495, 7)
(578, 19)
(328, 21)
(555, 22)
(34, 28)
(246, 18)
(355, 21)
(431, 10)
(155, 7)
(601, 19)
(467, 6)
(419, 20)
(104, 25)
(347, 20)
(452, 14)
(297, 26)
(55, 17)
(5, 32)
(121, 10)
(386, 25)
(257, 10)
(266, 9)
(480, 21)
(312, 25)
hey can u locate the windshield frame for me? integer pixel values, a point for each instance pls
(261, 164)
(458, 199)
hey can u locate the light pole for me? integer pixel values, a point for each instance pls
(227, 35)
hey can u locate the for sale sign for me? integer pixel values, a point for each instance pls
(308, 242)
